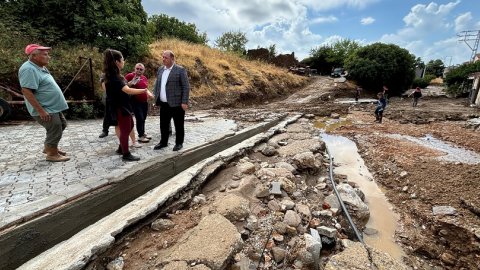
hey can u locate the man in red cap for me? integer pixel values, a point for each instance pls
(44, 98)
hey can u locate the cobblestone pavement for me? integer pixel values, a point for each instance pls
(29, 185)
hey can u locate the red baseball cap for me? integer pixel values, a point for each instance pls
(32, 47)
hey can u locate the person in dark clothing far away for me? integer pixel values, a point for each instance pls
(381, 104)
(417, 94)
(357, 93)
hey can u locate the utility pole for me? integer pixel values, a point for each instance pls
(445, 61)
(468, 36)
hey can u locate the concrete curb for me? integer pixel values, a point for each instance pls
(77, 251)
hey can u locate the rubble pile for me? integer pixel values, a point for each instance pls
(273, 208)
(281, 202)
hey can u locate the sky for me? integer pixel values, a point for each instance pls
(428, 29)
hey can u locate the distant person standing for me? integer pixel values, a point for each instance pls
(381, 104)
(137, 80)
(417, 94)
(171, 94)
(118, 92)
(357, 93)
(44, 99)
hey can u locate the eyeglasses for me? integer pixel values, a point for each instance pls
(139, 69)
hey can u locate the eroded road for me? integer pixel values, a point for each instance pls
(437, 199)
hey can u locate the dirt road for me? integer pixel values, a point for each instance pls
(407, 156)
(415, 178)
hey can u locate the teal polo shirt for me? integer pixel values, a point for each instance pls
(44, 88)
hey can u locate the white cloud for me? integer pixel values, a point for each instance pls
(463, 22)
(367, 20)
(320, 20)
(283, 23)
(429, 17)
(294, 36)
(335, 4)
(289, 24)
(423, 25)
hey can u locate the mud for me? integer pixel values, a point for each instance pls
(411, 175)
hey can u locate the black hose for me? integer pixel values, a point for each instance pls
(357, 233)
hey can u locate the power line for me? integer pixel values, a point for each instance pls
(468, 36)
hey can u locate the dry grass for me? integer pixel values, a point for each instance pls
(437, 81)
(216, 74)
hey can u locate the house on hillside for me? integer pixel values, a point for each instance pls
(476, 58)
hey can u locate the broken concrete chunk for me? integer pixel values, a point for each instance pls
(233, 207)
(246, 167)
(275, 189)
(444, 210)
(162, 225)
(326, 231)
(214, 240)
(292, 218)
(116, 264)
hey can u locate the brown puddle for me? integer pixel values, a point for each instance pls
(382, 218)
(328, 124)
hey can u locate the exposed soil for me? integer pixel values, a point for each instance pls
(411, 175)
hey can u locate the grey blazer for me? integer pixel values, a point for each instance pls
(177, 87)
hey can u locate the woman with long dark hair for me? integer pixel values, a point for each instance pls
(118, 92)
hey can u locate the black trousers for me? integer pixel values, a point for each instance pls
(166, 115)
(140, 109)
(107, 117)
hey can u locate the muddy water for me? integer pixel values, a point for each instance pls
(451, 152)
(352, 100)
(382, 218)
(328, 125)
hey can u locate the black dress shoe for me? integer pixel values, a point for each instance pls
(177, 147)
(103, 134)
(159, 146)
(130, 157)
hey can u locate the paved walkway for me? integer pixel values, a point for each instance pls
(29, 185)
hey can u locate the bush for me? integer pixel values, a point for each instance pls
(457, 78)
(423, 82)
(81, 111)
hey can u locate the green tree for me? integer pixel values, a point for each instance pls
(435, 67)
(103, 23)
(327, 57)
(319, 59)
(382, 64)
(272, 51)
(232, 42)
(162, 26)
(457, 78)
(341, 50)
(419, 63)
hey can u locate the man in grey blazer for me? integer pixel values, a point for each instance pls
(171, 94)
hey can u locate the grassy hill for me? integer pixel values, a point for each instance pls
(224, 79)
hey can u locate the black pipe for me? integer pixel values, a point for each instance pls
(357, 233)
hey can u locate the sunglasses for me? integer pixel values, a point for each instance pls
(139, 68)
